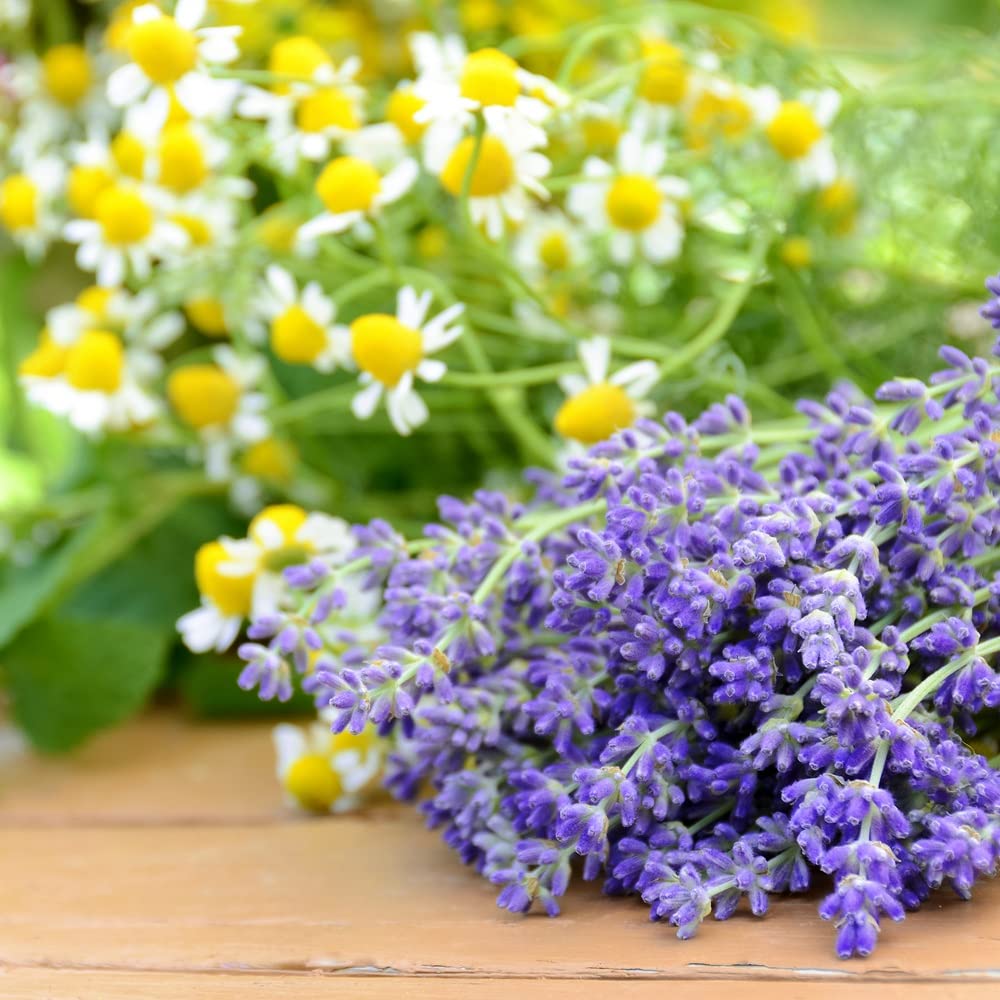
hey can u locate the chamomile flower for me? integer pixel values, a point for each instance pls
(169, 57)
(27, 208)
(393, 351)
(798, 131)
(548, 246)
(300, 323)
(323, 772)
(354, 191)
(138, 318)
(598, 404)
(633, 201)
(97, 383)
(718, 110)
(285, 535)
(127, 233)
(507, 170)
(225, 585)
(218, 401)
(488, 79)
(306, 117)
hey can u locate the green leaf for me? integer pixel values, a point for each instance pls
(26, 590)
(153, 582)
(69, 677)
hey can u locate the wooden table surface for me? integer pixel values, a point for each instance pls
(160, 862)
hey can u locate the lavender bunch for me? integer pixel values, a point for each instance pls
(710, 662)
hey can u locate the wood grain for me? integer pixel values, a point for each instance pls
(161, 862)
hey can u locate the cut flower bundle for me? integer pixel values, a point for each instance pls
(712, 661)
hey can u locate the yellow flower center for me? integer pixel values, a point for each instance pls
(664, 80)
(796, 252)
(95, 362)
(595, 414)
(277, 229)
(67, 75)
(793, 131)
(432, 242)
(492, 175)
(728, 116)
(232, 595)
(297, 56)
(198, 230)
(129, 154)
(182, 160)
(296, 337)
(95, 300)
(19, 202)
(84, 185)
(633, 202)
(348, 184)
(313, 783)
(207, 314)
(600, 134)
(553, 251)
(839, 203)
(288, 518)
(490, 78)
(403, 105)
(328, 107)
(47, 360)
(124, 216)
(385, 348)
(271, 460)
(162, 49)
(203, 395)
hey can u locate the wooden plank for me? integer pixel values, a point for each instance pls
(382, 896)
(30, 984)
(160, 768)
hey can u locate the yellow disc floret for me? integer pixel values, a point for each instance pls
(493, 173)
(199, 232)
(297, 56)
(19, 202)
(793, 131)
(490, 78)
(328, 107)
(553, 251)
(664, 79)
(183, 166)
(633, 202)
(712, 116)
(47, 360)
(403, 105)
(207, 314)
(348, 184)
(84, 186)
(385, 348)
(312, 782)
(95, 362)
(232, 595)
(796, 252)
(162, 49)
(595, 413)
(203, 395)
(600, 134)
(67, 74)
(296, 337)
(124, 216)
(95, 300)
(129, 154)
(286, 517)
(272, 460)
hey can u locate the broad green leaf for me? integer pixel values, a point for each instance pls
(70, 677)
(26, 590)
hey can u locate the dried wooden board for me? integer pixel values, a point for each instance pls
(30, 984)
(160, 862)
(383, 895)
